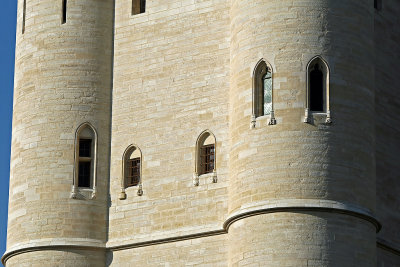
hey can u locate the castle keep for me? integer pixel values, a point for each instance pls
(205, 133)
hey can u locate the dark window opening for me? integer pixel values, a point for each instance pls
(316, 89)
(64, 11)
(23, 17)
(207, 159)
(85, 147)
(133, 177)
(138, 6)
(84, 174)
(378, 4)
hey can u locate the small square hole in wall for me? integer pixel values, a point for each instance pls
(138, 6)
(378, 4)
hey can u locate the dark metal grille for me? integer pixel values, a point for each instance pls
(84, 174)
(133, 170)
(207, 158)
(85, 147)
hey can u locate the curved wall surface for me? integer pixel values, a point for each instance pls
(291, 165)
(62, 79)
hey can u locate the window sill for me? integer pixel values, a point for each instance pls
(205, 176)
(83, 193)
(317, 117)
(123, 194)
(257, 121)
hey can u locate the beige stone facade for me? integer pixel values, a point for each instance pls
(289, 188)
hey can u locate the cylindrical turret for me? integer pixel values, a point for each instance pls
(63, 77)
(302, 191)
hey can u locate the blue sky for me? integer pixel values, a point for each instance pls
(8, 12)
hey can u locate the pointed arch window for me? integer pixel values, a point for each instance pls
(85, 159)
(263, 92)
(317, 97)
(205, 156)
(131, 170)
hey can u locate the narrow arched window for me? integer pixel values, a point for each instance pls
(263, 92)
(205, 156)
(85, 159)
(317, 89)
(131, 170)
(138, 6)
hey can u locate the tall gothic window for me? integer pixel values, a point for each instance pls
(263, 92)
(85, 159)
(317, 89)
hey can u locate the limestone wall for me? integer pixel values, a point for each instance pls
(171, 82)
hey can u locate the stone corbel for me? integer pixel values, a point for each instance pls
(73, 192)
(328, 117)
(122, 194)
(214, 176)
(140, 190)
(253, 122)
(195, 179)
(272, 120)
(94, 193)
(307, 116)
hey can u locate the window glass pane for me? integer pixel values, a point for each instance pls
(85, 147)
(267, 83)
(84, 174)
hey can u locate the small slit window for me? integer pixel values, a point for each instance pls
(23, 16)
(138, 6)
(64, 11)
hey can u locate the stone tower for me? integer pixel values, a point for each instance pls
(282, 93)
(62, 81)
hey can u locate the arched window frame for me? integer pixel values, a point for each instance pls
(199, 144)
(259, 71)
(326, 108)
(75, 184)
(125, 157)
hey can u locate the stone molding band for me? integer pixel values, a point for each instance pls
(383, 244)
(299, 205)
(252, 209)
(56, 244)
